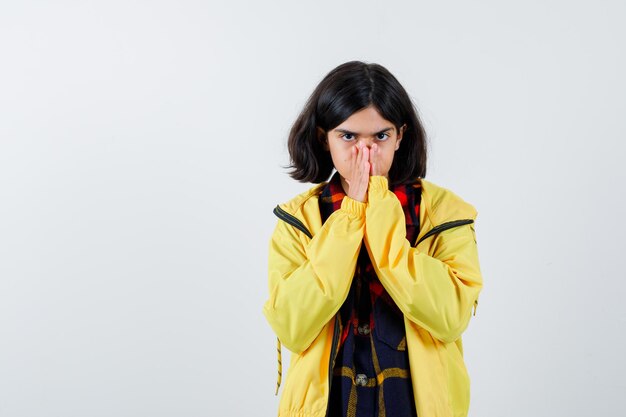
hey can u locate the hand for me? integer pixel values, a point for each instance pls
(359, 173)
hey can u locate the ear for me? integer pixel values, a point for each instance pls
(400, 134)
(322, 138)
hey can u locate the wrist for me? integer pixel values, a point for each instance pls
(354, 208)
(378, 185)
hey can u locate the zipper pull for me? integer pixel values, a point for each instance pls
(475, 305)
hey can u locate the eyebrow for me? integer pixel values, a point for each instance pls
(354, 133)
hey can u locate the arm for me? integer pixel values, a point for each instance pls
(436, 292)
(308, 283)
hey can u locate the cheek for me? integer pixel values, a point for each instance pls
(340, 154)
(343, 155)
(386, 156)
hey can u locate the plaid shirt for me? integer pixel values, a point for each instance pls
(371, 375)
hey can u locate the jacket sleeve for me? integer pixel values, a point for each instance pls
(308, 282)
(435, 292)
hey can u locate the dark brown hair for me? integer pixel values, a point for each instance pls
(348, 88)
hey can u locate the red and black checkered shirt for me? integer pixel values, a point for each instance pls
(371, 375)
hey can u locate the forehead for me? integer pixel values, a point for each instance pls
(365, 121)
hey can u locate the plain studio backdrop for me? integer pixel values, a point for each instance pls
(140, 160)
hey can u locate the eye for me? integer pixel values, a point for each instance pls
(383, 138)
(344, 137)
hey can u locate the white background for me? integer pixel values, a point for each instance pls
(141, 145)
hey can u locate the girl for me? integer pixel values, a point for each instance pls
(373, 273)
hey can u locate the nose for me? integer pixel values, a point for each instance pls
(367, 141)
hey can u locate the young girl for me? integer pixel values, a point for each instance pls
(373, 273)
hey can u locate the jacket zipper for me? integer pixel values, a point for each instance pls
(444, 226)
(295, 222)
(292, 220)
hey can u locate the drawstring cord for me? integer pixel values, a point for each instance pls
(280, 365)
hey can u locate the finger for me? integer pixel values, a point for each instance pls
(377, 160)
(353, 163)
(366, 156)
(357, 161)
(361, 167)
(356, 165)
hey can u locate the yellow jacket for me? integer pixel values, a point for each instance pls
(435, 284)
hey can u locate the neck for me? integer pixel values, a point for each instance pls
(344, 185)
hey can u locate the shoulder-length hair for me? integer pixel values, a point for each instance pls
(348, 88)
